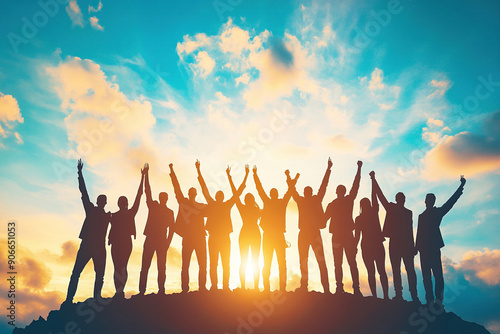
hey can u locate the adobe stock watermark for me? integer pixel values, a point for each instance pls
(263, 310)
(471, 103)
(224, 6)
(249, 148)
(427, 314)
(380, 20)
(92, 138)
(31, 25)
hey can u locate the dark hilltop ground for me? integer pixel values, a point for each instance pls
(246, 312)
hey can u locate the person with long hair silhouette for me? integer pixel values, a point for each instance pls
(398, 227)
(367, 226)
(190, 225)
(120, 237)
(310, 224)
(250, 237)
(93, 244)
(273, 223)
(430, 241)
(339, 212)
(160, 219)
(219, 226)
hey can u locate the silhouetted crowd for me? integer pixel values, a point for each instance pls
(196, 220)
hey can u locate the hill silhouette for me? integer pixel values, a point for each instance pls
(246, 312)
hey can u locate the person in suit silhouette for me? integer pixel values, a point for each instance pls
(160, 219)
(273, 223)
(430, 241)
(190, 225)
(367, 225)
(250, 237)
(339, 212)
(93, 235)
(398, 227)
(219, 226)
(122, 229)
(310, 223)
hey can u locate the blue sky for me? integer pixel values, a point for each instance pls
(410, 87)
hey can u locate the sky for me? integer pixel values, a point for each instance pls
(411, 88)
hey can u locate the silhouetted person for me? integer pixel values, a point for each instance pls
(273, 223)
(430, 241)
(250, 237)
(122, 229)
(367, 226)
(160, 219)
(93, 235)
(398, 227)
(219, 226)
(311, 221)
(341, 227)
(190, 225)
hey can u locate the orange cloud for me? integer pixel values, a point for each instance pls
(465, 153)
(484, 265)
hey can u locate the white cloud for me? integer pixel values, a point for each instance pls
(189, 45)
(74, 13)
(244, 79)
(440, 88)
(376, 80)
(10, 116)
(106, 127)
(205, 64)
(94, 22)
(95, 10)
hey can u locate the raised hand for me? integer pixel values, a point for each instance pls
(145, 169)
(462, 180)
(80, 165)
(372, 174)
(254, 169)
(360, 163)
(197, 164)
(228, 170)
(171, 166)
(247, 169)
(330, 163)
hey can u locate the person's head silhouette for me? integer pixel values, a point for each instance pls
(274, 193)
(400, 198)
(192, 193)
(341, 190)
(430, 200)
(123, 203)
(219, 196)
(365, 205)
(101, 201)
(308, 192)
(163, 198)
(250, 199)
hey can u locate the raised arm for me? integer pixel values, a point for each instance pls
(374, 192)
(177, 188)
(82, 187)
(137, 201)
(454, 198)
(292, 189)
(355, 185)
(326, 178)
(203, 185)
(236, 192)
(147, 187)
(379, 192)
(291, 186)
(258, 185)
